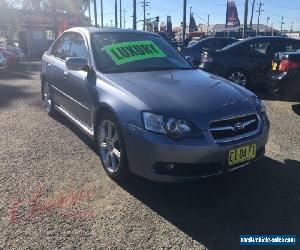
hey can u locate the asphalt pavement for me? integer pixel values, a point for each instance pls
(55, 194)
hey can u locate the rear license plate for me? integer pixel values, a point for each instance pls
(274, 66)
(241, 155)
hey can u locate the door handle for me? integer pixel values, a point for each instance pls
(66, 74)
(49, 65)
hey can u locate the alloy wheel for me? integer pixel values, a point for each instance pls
(109, 146)
(239, 78)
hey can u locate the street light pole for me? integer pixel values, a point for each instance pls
(245, 19)
(120, 9)
(101, 3)
(116, 13)
(95, 13)
(184, 21)
(134, 15)
(268, 18)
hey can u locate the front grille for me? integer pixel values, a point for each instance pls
(234, 128)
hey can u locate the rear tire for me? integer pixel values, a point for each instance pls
(111, 148)
(239, 77)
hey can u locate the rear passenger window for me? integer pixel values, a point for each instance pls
(265, 47)
(62, 47)
(78, 48)
(260, 47)
(291, 46)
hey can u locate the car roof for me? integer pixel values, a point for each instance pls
(94, 30)
(268, 38)
(257, 38)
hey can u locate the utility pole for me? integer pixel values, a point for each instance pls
(282, 23)
(101, 3)
(208, 17)
(268, 18)
(184, 21)
(251, 20)
(144, 4)
(116, 13)
(89, 10)
(124, 13)
(258, 18)
(134, 15)
(120, 10)
(95, 12)
(292, 26)
(245, 19)
(272, 29)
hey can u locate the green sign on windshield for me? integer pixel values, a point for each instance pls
(133, 51)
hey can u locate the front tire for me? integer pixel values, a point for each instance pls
(111, 148)
(48, 102)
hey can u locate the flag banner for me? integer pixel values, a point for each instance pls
(232, 17)
(192, 26)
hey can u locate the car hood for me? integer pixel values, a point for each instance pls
(190, 94)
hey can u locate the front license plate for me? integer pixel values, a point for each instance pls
(274, 66)
(242, 154)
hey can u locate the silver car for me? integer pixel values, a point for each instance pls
(148, 110)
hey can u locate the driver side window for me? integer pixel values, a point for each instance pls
(62, 47)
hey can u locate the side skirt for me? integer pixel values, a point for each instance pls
(87, 130)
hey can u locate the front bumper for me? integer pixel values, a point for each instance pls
(149, 154)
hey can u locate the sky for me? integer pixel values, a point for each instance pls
(275, 9)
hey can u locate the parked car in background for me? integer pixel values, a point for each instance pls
(17, 51)
(284, 78)
(247, 62)
(196, 49)
(147, 109)
(11, 57)
(3, 61)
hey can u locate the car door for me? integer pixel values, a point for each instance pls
(59, 53)
(77, 84)
(259, 55)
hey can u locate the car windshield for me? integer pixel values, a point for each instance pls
(131, 52)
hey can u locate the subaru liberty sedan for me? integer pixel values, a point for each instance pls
(148, 110)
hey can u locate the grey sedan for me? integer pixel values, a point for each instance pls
(147, 109)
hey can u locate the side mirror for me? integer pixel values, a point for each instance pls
(190, 59)
(77, 63)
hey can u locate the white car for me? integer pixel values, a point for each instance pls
(3, 61)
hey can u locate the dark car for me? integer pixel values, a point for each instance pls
(196, 49)
(147, 109)
(285, 75)
(247, 62)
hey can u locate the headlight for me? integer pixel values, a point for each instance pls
(260, 106)
(173, 127)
